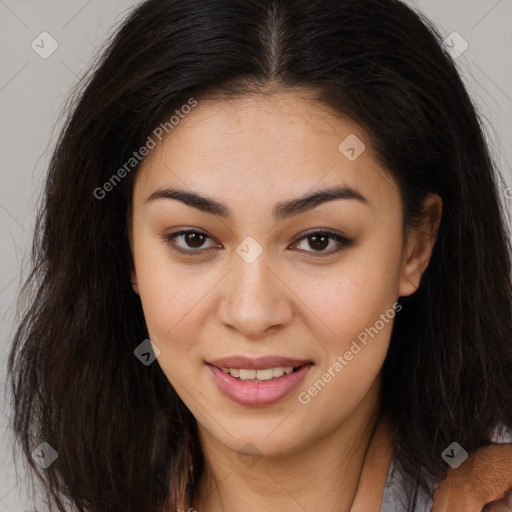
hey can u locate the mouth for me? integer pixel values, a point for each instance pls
(259, 387)
(260, 375)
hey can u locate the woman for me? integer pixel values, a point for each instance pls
(271, 270)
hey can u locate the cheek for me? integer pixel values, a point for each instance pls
(169, 294)
(356, 304)
(351, 322)
(358, 312)
(352, 296)
(171, 302)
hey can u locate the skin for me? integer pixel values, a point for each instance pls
(250, 153)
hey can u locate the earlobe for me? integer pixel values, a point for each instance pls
(133, 274)
(419, 246)
(135, 285)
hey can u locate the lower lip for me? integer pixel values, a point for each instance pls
(254, 394)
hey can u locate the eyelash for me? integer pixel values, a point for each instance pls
(343, 242)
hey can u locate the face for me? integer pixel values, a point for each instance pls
(263, 274)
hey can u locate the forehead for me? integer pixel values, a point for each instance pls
(283, 144)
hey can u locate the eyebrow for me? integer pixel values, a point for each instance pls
(282, 210)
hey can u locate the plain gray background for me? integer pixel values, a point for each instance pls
(33, 91)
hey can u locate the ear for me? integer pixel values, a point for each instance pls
(129, 229)
(419, 245)
(133, 276)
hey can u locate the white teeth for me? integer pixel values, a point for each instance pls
(247, 374)
(277, 372)
(266, 374)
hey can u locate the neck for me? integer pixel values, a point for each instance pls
(322, 475)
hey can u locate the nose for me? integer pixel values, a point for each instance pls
(255, 298)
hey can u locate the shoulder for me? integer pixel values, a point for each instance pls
(483, 482)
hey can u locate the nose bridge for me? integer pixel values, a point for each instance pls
(253, 298)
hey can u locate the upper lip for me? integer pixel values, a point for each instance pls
(259, 363)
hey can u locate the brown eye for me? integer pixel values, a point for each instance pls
(192, 241)
(318, 241)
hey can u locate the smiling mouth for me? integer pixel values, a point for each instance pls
(263, 375)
